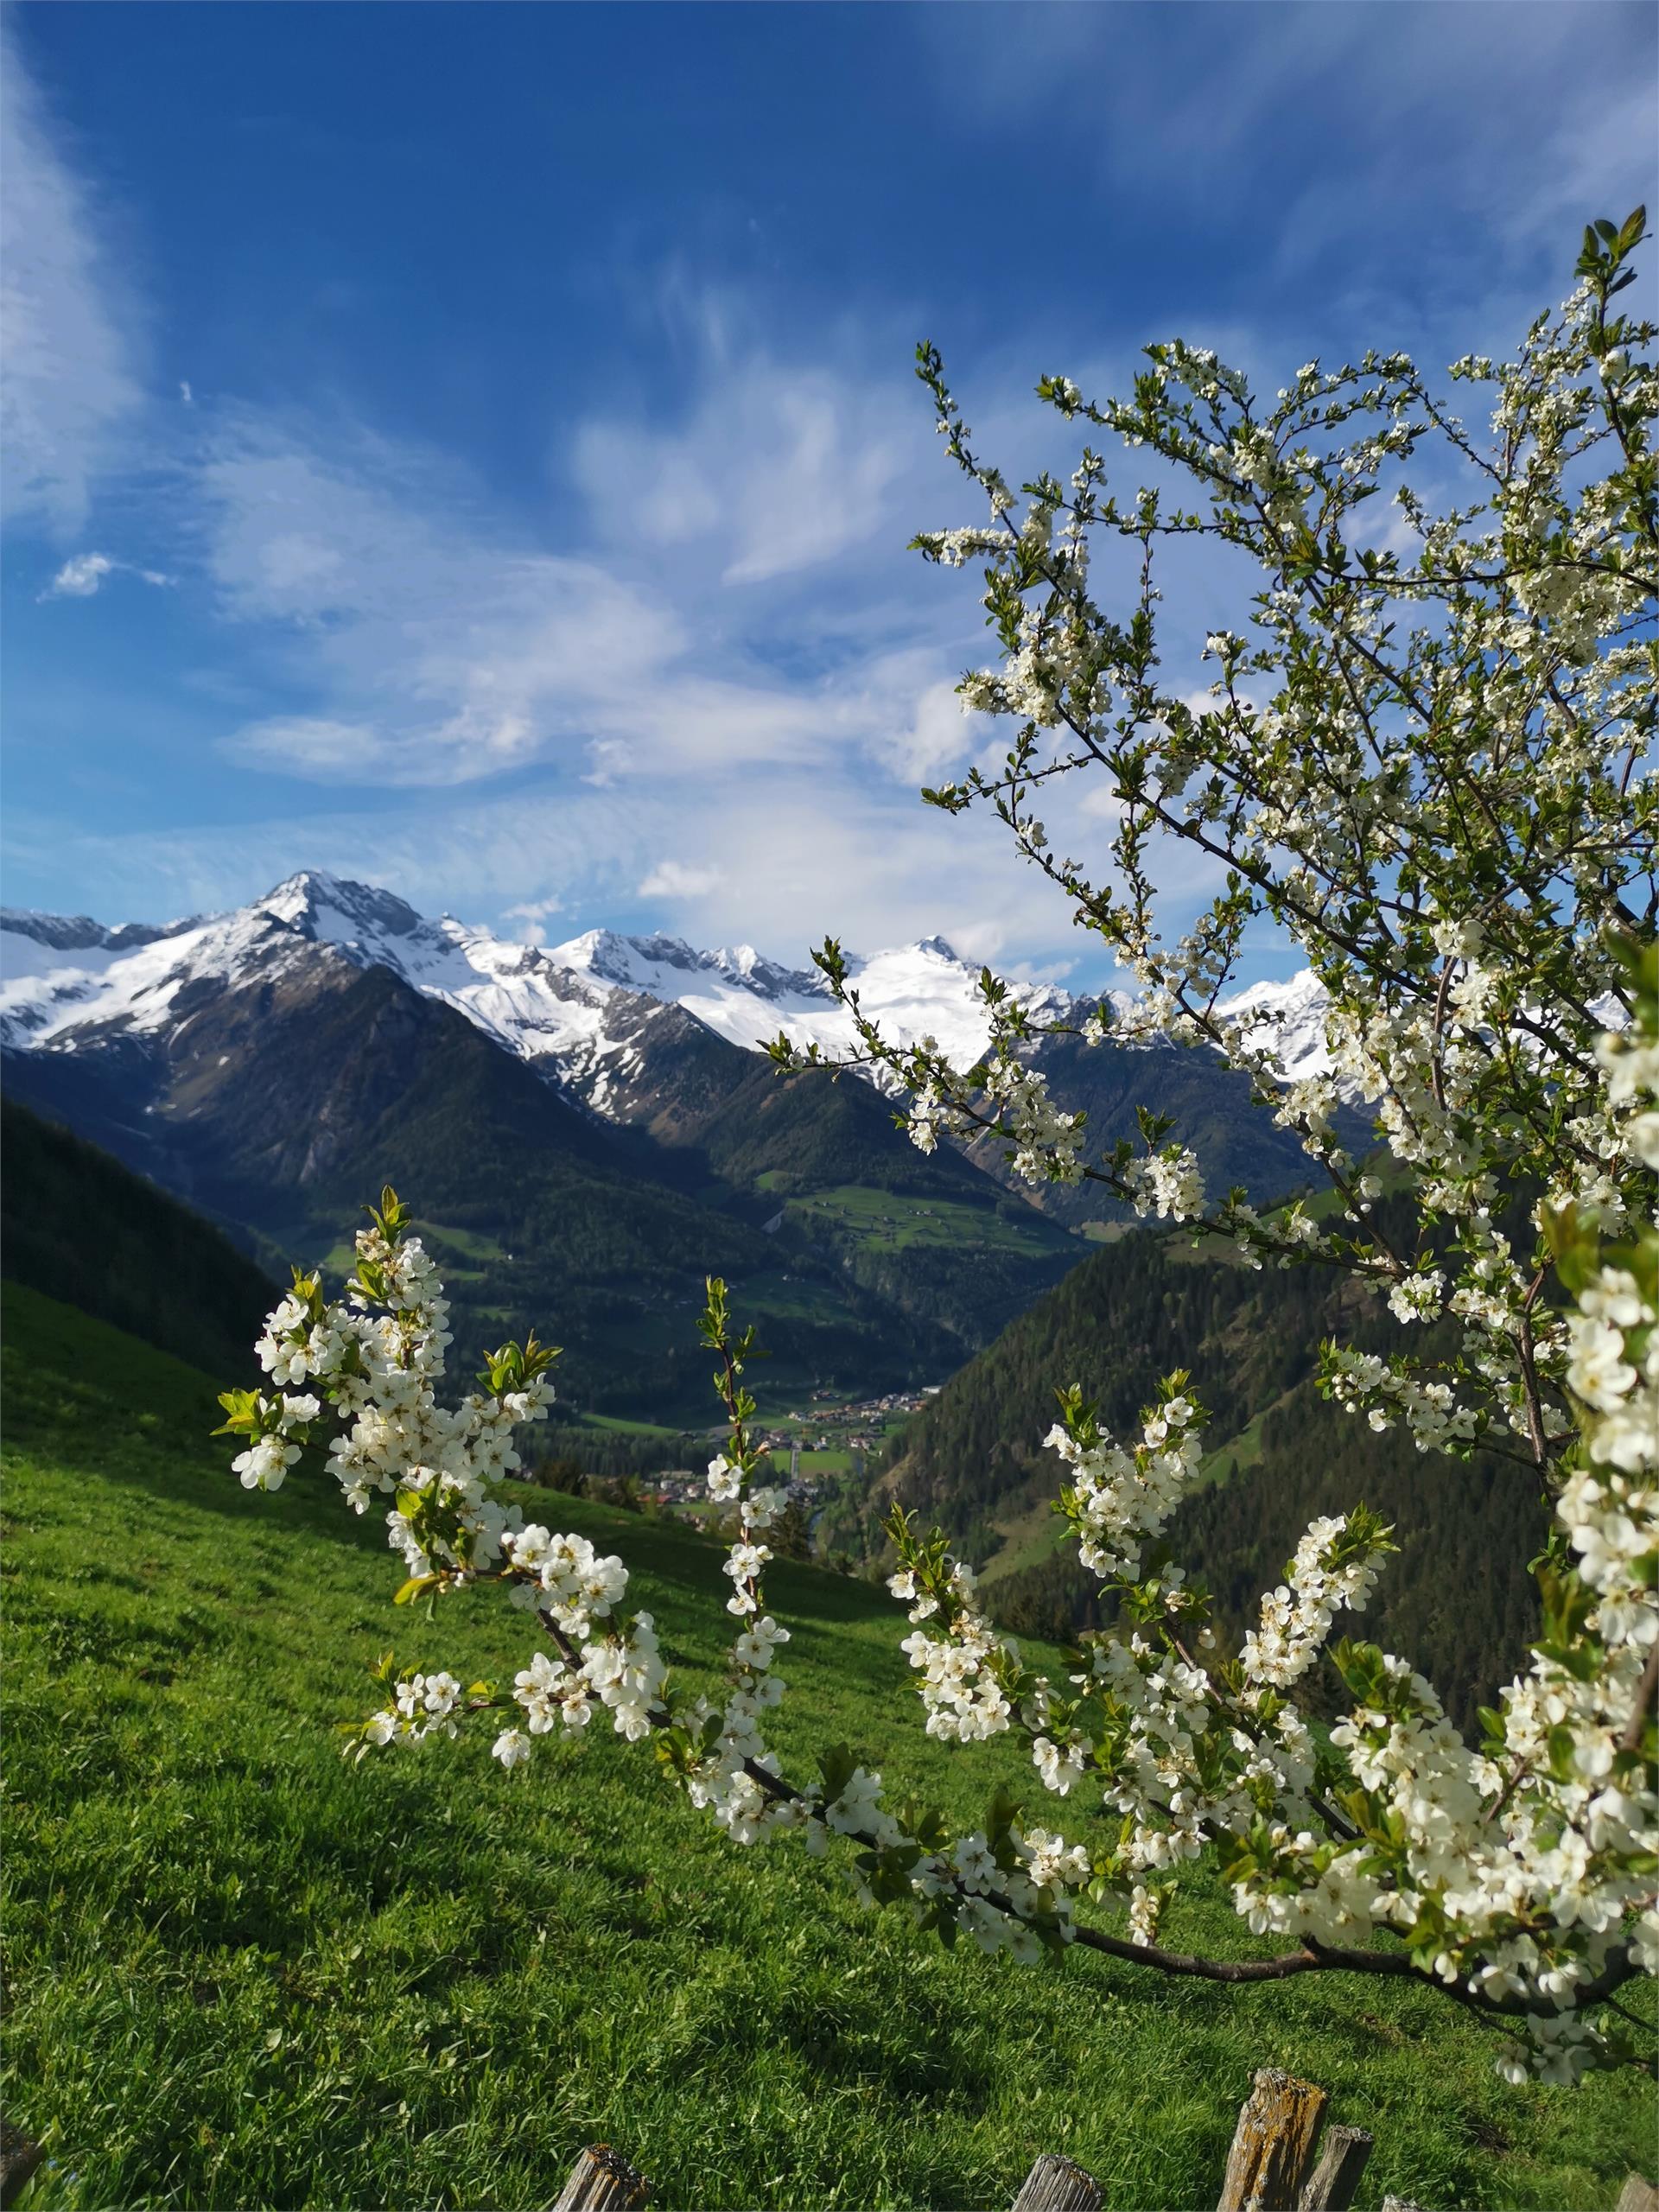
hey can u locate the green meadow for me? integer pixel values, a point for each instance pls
(241, 1972)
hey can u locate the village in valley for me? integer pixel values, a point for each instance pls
(812, 1450)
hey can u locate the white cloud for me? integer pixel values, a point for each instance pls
(782, 468)
(532, 916)
(439, 650)
(80, 576)
(68, 390)
(83, 574)
(315, 746)
(679, 880)
(608, 758)
(450, 651)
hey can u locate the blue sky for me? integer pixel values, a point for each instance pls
(473, 446)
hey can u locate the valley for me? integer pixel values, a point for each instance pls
(587, 1132)
(275, 1066)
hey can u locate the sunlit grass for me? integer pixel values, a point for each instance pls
(240, 1971)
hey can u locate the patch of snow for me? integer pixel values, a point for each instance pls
(1287, 1019)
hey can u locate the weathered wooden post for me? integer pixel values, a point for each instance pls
(1273, 2143)
(1334, 2182)
(20, 2155)
(602, 2181)
(1638, 2195)
(1058, 2184)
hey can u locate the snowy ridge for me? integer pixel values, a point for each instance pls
(581, 1012)
(1288, 1021)
(56, 983)
(912, 991)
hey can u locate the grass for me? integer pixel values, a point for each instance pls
(891, 1219)
(1239, 1451)
(829, 1461)
(617, 1424)
(239, 1971)
(1030, 1537)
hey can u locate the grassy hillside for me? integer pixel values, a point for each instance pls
(239, 1972)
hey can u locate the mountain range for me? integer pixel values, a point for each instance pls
(570, 1008)
(588, 1129)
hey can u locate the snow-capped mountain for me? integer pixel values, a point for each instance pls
(578, 1011)
(591, 1014)
(170, 1045)
(64, 984)
(1287, 1019)
(912, 991)
(65, 978)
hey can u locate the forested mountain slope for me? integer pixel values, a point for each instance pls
(78, 1225)
(1458, 1601)
(1210, 1108)
(283, 1107)
(652, 1044)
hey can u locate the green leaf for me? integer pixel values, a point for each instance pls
(836, 1765)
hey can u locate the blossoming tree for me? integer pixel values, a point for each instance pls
(1426, 756)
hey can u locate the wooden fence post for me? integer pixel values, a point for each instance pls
(602, 2181)
(1334, 2182)
(1057, 2184)
(1638, 2195)
(1273, 2143)
(20, 2155)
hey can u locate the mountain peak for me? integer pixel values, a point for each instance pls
(336, 910)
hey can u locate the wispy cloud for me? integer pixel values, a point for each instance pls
(82, 575)
(440, 648)
(771, 866)
(679, 880)
(781, 467)
(68, 388)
